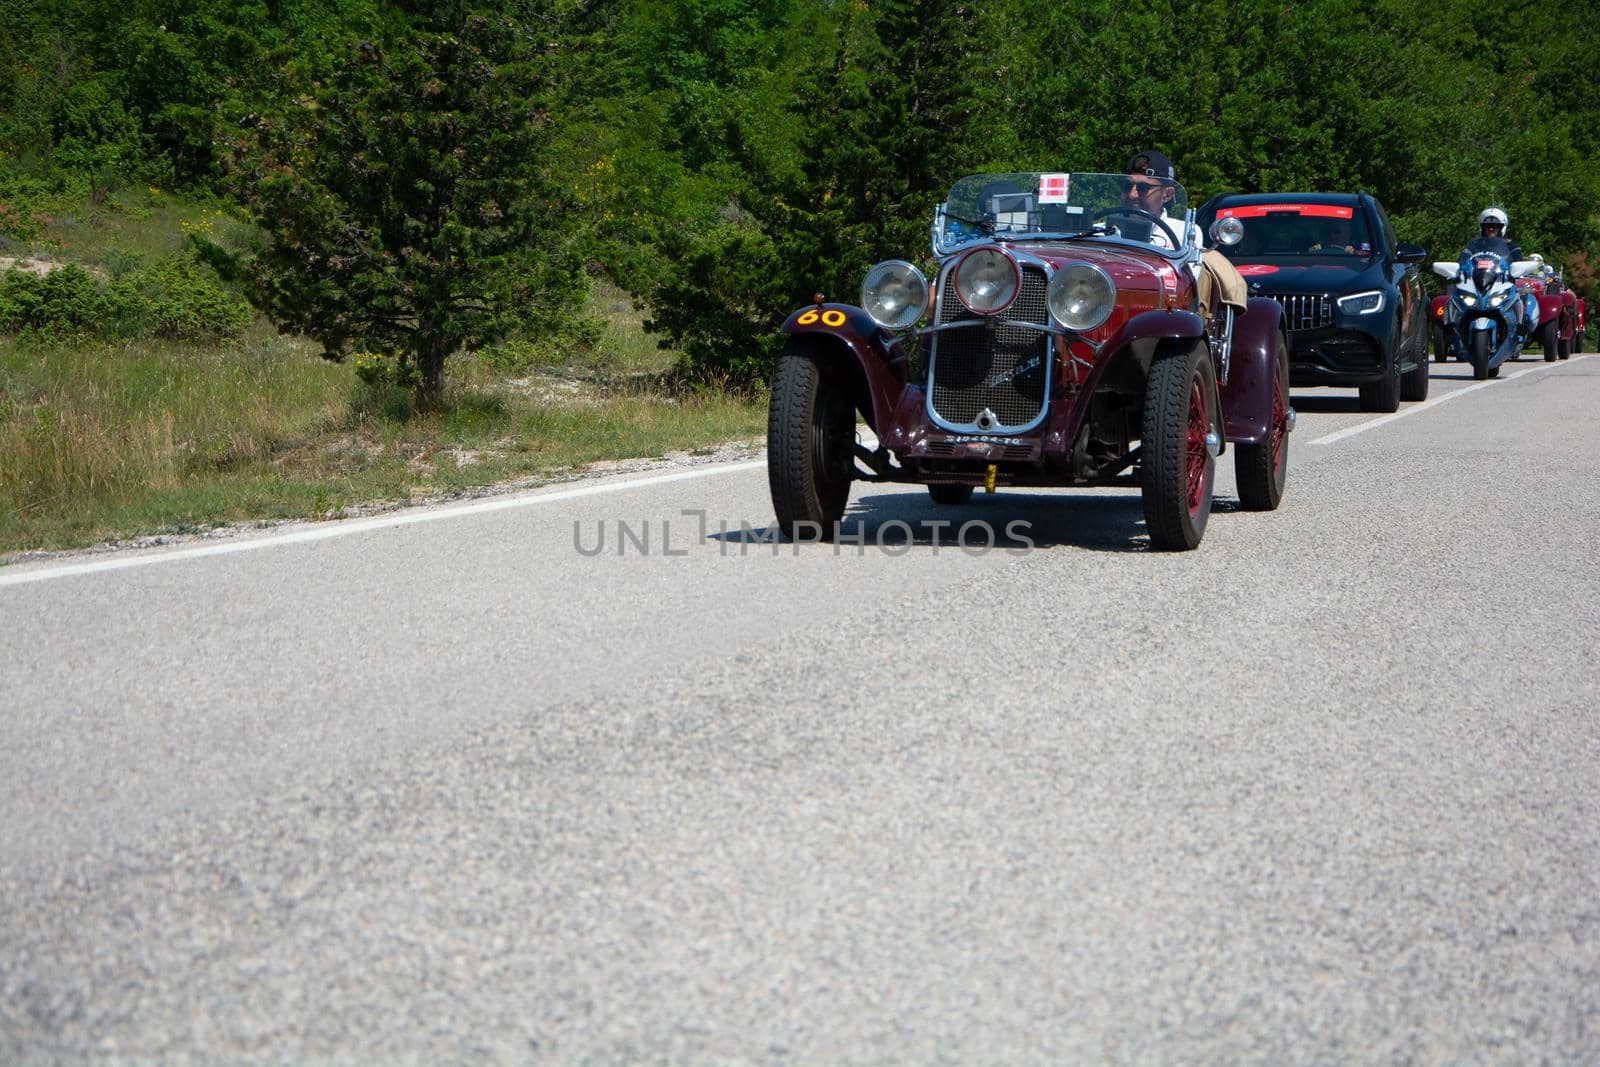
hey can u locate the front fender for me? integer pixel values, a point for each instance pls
(1123, 363)
(832, 331)
(1549, 309)
(1436, 310)
(1252, 376)
(1124, 360)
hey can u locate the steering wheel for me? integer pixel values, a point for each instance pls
(1139, 212)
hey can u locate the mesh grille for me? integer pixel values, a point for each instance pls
(1004, 369)
(1305, 311)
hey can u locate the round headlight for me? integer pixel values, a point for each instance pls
(895, 294)
(1227, 231)
(987, 280)
(1081, 296)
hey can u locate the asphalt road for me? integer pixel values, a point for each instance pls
(441, 787)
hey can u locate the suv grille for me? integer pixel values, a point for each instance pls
(1304, 311)
(1005, 369)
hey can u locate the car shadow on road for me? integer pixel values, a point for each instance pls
(1322, 404)
(904, 520)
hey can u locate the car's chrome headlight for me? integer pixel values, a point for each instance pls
(987, 280)
(895, 294)
(1081, 296)
(1362, 303)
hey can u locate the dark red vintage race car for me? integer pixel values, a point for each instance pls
(1068, 339)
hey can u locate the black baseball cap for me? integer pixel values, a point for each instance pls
(1152, 164)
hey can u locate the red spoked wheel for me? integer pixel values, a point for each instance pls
(1177, 466)
(1262, 470)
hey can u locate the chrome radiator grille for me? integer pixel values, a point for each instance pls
(1005, 369)
(1304, 311)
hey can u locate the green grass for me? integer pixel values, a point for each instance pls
(108, 440)
(113, 441)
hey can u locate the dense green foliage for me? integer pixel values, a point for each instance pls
(724, 159)
(176, 299)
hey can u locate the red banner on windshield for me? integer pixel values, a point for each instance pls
(1256, 211)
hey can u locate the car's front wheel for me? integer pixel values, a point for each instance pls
(1262, 470)
(1550, 341)
(811, 424)
(1176, 463)
(1383, 394)
(1480, 354)
(1564, 348)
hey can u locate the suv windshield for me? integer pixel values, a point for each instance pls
(1296, 229)
(1028, 206)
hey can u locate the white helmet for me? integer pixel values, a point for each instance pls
(1494, 214)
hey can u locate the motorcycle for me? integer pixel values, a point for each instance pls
(1487, 319)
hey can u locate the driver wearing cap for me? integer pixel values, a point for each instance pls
(1148, 187)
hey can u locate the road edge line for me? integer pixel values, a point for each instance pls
(1426, 405)
(349, 527)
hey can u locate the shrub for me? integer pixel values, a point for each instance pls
(176, 300)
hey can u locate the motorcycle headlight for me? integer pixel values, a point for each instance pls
(1362, 303)
(1467, 300)
(987, 280)
(895, 294)
(1496, 299)
(1080, 296)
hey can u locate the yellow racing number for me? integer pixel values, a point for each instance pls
(831, 317)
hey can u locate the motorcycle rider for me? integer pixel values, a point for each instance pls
(1493, 225)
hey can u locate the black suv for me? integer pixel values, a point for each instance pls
(1352, 296)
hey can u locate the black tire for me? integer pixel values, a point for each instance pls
(1414, 383)
(1383, 394)
(1176, 481)
(1564, 348)
(1262, 470)
(1577, 341)
(811, 424)
(950, 494)
(1550, 340)
(1441, 345)
(1480, 354)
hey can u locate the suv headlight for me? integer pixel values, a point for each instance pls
(895, 294)
(1362, 303)
(1080, 296)
(987, 280)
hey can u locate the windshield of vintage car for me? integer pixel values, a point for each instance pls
(1292, 229)
(1032, 206)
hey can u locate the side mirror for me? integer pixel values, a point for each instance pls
(1405, 253)
(1524, 267)
(1446, 270)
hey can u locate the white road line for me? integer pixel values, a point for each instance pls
(355, 526)
(1426, 405)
